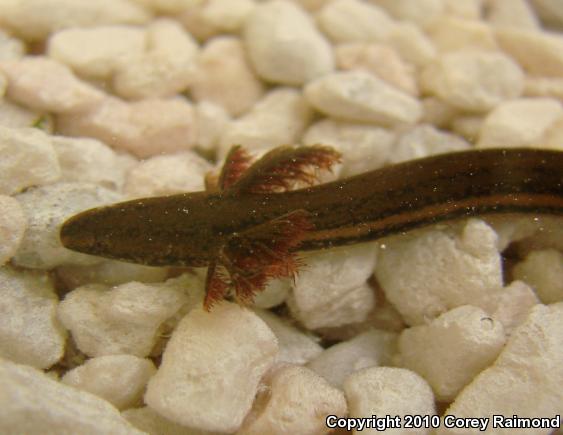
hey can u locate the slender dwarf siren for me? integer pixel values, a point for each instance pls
(248, 227)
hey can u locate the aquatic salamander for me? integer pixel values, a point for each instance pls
(248, 227)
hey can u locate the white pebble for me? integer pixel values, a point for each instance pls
(193, 19)
(224, 77)
(169, 7)
(553, 138)
(510, 306)
(294, 400)
(452, 349)
(539, 53)
(10, 47)
(311, 5)
(425, 140)
(361, 97)
(119, 379)
(451, 34)
(438, 113)
(430, 271)
(467, 9)
(535, 232)
(354, 20)
(380, 60)
(421, 12)
(368, 349)
(549, 235)
(89, 160)
(333, 289)
(34, 20)
(33, 403)
(284, 46)
(295, 347)
(46, 85)
(473, 80)
(543, 87)
(12, 226)
(412, 44)
(277, 119)
(109, 272)
(167, 175)
(191, 285)
(211, 368)
(274, 294)
(3, 85)
(211, 121)
(226, 15)
(15, 116)
(543, 270)
(96, 52)
(550, 11)
(389, 391)
(27, 158)
(165, 69)
(512, 13)
(363, 147)
(210, 18)
(519, 123)
(144, 128)
(46, 208)
(385, 317)
(29, 330)
(150, 422)
(468, 127)
(525, 379)
(123, 319)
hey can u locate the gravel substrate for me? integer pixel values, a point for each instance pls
(108, 100)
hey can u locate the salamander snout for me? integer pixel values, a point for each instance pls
(74, 236)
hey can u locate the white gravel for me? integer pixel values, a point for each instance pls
(118, 99)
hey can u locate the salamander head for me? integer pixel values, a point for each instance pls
(176, 230)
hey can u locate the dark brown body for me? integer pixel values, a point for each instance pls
(189, 229)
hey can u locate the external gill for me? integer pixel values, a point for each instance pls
(249, 259)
